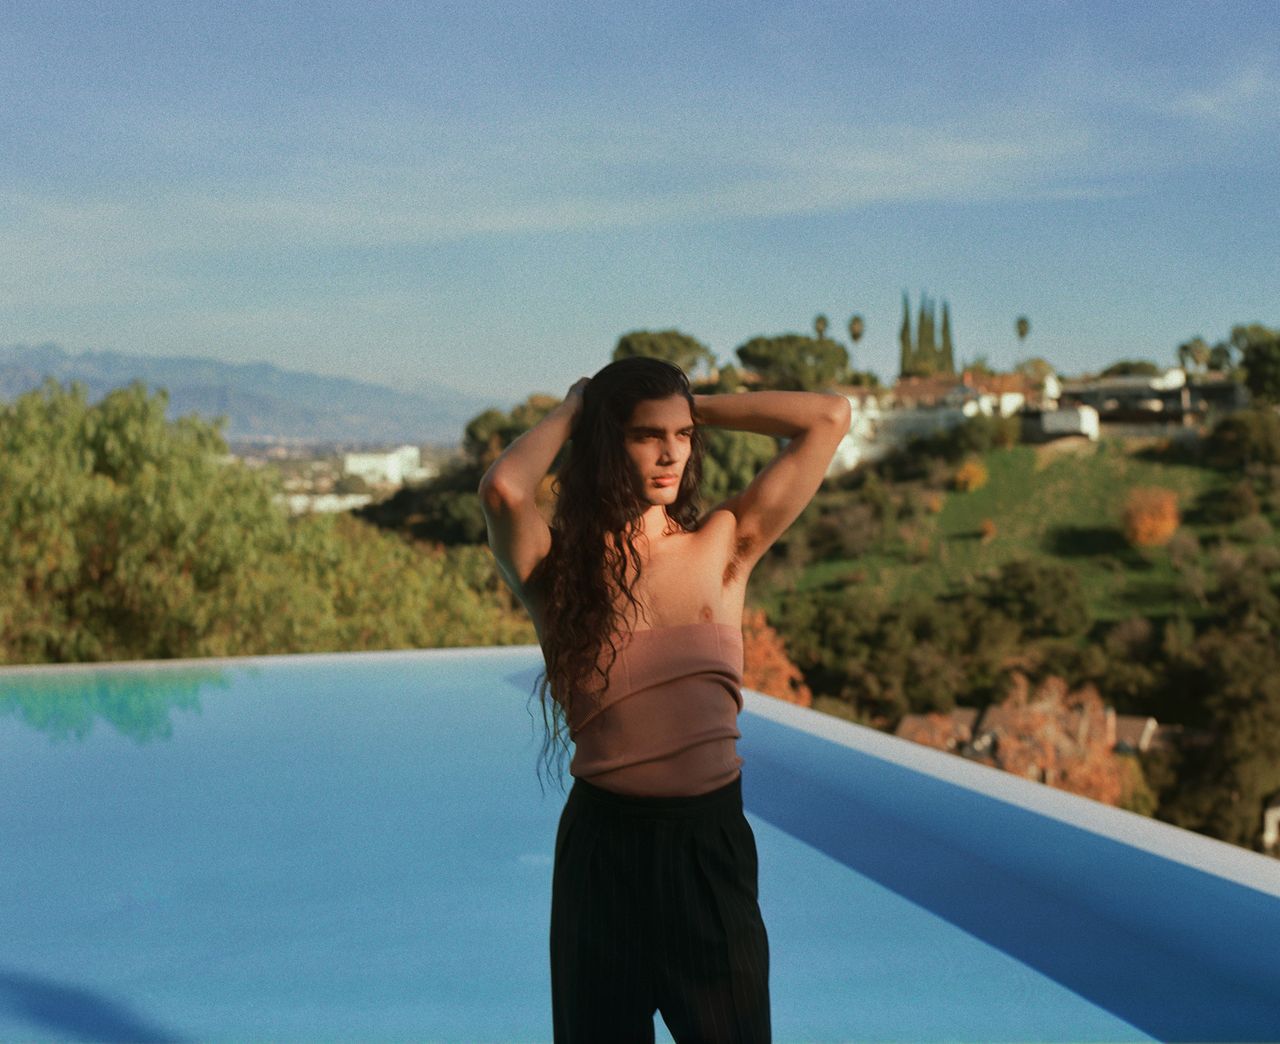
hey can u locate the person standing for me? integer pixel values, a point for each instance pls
(637, 598)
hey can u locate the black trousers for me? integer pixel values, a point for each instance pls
(654, 908)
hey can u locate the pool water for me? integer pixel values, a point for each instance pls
(356, 846)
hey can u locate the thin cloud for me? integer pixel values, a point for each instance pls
(1246, 94)
(531, 179)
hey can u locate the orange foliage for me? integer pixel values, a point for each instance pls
(1150, 516)
(970, 475)
(937, 730)
(1060, 737)
(988, 530)
(766, 666)
(934, 502)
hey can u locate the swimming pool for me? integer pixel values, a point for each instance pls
(355, 846)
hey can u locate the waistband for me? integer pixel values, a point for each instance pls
(725, 798)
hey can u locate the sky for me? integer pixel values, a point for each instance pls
(485, 196)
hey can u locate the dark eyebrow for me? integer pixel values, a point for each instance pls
(641, 430)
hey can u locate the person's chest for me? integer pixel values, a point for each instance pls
(683, 580)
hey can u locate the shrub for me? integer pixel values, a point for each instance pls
(971, 475)
(843, 531)
(988, 530)
(1236, 502)
(1183, 548)
(1252, 530)
(124, 536)
(1044, 596)
(766, 666)
(1150, 516)
(1249, 436)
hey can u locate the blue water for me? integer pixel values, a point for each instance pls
(357, 847)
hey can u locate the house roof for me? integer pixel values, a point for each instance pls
(926, 389)
(998, 383)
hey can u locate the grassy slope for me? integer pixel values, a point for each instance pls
(1046, 502)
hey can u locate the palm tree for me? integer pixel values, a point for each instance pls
(1023, 326)
(855, 329)
(820, 326)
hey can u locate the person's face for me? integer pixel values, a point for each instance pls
(658, 438)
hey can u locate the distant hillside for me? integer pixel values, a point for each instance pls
(258, 399)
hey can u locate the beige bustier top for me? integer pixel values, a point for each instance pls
(667, 723)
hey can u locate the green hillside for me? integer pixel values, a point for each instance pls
(1061, 500)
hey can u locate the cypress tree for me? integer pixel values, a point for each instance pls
(906, 362)
(926, 349)
(948, 356)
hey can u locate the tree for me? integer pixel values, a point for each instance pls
(731, 460)
(1259, 349)
(1023, 326)
(856, 328)
(820, 326)
(981, 366)
(1150, 516)
(1222, 787)
(947, 360)
(487, 434)
(1193, 353)
(1036, 370)
(1246, 437)
(792, 362)
(1131, 368)
(1044, 596)
(689, 354)
(906, 357)
(348, 484)
(926, 357)
(124, 536)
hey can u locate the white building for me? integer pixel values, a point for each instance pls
(1067, 420)
(391, 468)
(884, 419)
(321, 503)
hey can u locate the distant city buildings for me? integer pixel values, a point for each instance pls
(390, 468)
(321, 503)
(322, 477)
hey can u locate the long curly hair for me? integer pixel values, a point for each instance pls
(587, 581)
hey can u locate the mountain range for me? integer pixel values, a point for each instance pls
(259, 400)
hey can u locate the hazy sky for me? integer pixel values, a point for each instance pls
(487, 195)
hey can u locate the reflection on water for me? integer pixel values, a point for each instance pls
(138, 705)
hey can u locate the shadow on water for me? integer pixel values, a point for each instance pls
(73, 1012)
(135, 704)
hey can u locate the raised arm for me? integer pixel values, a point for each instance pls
(814, 422)
(518, 534)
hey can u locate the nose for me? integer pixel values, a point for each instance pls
(670, 450)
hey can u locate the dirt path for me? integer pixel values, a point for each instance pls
(1067, 446)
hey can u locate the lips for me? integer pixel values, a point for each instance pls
(666, 480)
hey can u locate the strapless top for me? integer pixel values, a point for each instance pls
(667, 722)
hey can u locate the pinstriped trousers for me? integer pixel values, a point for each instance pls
(654, 908)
